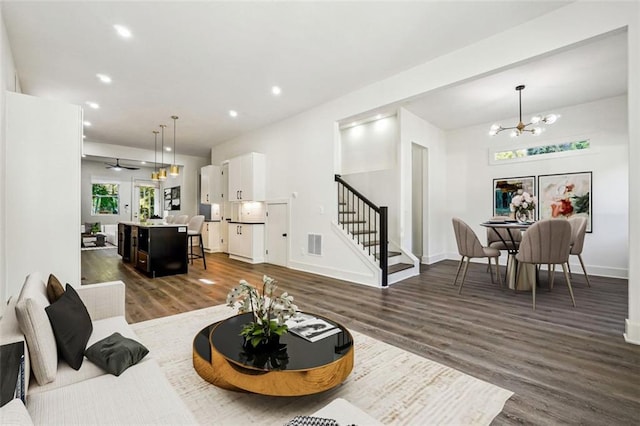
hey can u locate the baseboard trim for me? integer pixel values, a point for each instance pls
(632, 332)
(350, 276)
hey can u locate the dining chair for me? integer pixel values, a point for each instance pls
(578, 231)
(470, 247)
(194, 229)
(546, 242)
(182, 219)
(170, 219)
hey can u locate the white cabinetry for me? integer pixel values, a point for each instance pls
(211, 236)
(210, 185)
(246, 242)
(246, 177)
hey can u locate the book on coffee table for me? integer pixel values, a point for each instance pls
(310, 327)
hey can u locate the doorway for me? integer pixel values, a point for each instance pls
(419, 156)
(277, 235)
(146, 200)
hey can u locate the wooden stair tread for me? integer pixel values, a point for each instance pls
(398, 267)
(362, 231)
(390, 254)
(350, 222)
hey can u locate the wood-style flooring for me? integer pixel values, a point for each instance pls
(565, 365)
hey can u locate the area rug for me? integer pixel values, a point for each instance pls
(390, 384)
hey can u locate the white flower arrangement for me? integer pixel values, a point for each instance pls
(270, 312)
(523, 202)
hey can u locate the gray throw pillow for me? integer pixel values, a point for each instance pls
(116, 353)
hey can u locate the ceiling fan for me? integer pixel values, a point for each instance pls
(118, 166)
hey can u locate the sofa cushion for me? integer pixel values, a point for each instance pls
(116, 353)
(55, 290)
(141, 395)
(35, 325)
(14, 413)
(67, 376)
(71, 326)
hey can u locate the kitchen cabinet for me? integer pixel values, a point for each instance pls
(246, 242)
(246, 177)
(211, 236)
(211, 185)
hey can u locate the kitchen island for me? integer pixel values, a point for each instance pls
(155, 250)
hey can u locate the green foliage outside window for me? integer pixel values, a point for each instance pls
(541, 150)
(105, 198)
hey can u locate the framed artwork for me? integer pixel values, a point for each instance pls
(172, 198)
(565, 195)
(505, 189)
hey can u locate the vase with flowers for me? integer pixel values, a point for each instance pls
(270, 312)
(524, 205)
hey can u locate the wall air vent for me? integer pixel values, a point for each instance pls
(314, 244)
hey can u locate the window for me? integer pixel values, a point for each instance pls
(498, 156)
(105, 198)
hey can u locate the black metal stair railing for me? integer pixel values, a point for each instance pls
(365, 222)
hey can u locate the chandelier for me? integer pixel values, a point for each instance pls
(520, 128)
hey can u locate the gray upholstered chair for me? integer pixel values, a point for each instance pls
(578, 231)
(493, 236)
(470, 247)
(194, 229)
(546, 242)
(182, 219)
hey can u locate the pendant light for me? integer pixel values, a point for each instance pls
(154, 174)
(521, 128)
(174, 170)
(163, 172)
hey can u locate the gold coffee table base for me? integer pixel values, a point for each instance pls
(231, 375)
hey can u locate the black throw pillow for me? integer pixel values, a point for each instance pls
(116, 353)
(71, 325)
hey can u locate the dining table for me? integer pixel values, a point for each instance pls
(527, 277)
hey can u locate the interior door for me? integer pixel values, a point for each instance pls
(277, 243)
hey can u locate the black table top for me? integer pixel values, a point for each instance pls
(295, 353)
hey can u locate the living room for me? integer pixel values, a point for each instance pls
(304, 146)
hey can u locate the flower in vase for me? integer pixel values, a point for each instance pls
(270, 311)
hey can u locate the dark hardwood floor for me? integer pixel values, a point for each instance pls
(565, 365)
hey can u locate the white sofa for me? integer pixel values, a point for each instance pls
(140, 395)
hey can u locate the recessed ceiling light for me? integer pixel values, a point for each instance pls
(104, 78)
(233, 113)
(84, 155)
(378, 117)
(122, 31)
(93, 105)
(276, 90)
(86, 123)
(168, 148)
(84, 136)
(143, 162)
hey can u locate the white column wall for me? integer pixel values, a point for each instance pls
(43, 198)
(413, 129)
(604, 123)
(632, 334)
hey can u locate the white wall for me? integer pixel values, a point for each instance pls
(187, 180)
(413, 129)
(8, 81)
(43, 192)
(96, 170)
(304, 147)
(604, 123)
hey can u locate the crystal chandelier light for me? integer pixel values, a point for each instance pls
(520, 128)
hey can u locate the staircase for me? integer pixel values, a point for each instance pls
(367, 225)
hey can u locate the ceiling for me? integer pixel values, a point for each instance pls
(198, 60)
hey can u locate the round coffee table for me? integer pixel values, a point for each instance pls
(297, 367)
